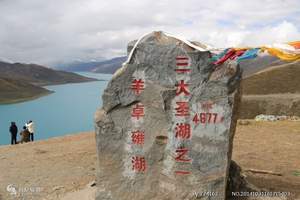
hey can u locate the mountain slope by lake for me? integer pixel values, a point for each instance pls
(20, 82)
(39, 75)
(12, 91)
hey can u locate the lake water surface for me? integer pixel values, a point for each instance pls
(67, 111)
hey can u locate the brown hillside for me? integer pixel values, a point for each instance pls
(16, 91)
(20, 82)
(281, 79)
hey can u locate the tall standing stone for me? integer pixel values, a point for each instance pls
(193, 166)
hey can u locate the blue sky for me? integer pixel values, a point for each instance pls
(62, 31)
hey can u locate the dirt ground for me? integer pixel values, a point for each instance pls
(270, 104)
(270, 146)
(52, 168)
(49, 168)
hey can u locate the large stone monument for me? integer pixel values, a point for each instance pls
(166, 127)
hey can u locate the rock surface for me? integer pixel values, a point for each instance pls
(193, 166)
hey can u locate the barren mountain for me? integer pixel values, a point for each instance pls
(20, 82)
(278, 79)
(15, 91)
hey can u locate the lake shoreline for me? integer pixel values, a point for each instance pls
(48, 92)
(55, 138)
(68, 109)
(30, 98)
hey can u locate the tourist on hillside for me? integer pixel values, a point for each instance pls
(13, 129)
(30, 128)
(25, 135)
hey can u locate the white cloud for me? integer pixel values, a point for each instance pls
(47, 32)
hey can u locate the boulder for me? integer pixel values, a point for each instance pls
(166, 127)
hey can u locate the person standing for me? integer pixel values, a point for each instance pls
(13, 129)
(30, 128)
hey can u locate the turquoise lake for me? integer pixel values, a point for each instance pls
(67, 111)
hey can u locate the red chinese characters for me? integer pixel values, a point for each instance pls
(208, 105)
(138, 85)
(182, 109)
(181, 155)
(138, 137)
(183, 131)
(182, 87)
(138, 111)
(182, 62)
(138, 163)
(181, 172)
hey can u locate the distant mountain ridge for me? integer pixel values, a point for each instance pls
(110, 66)
(105, 67)
(251, 66)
